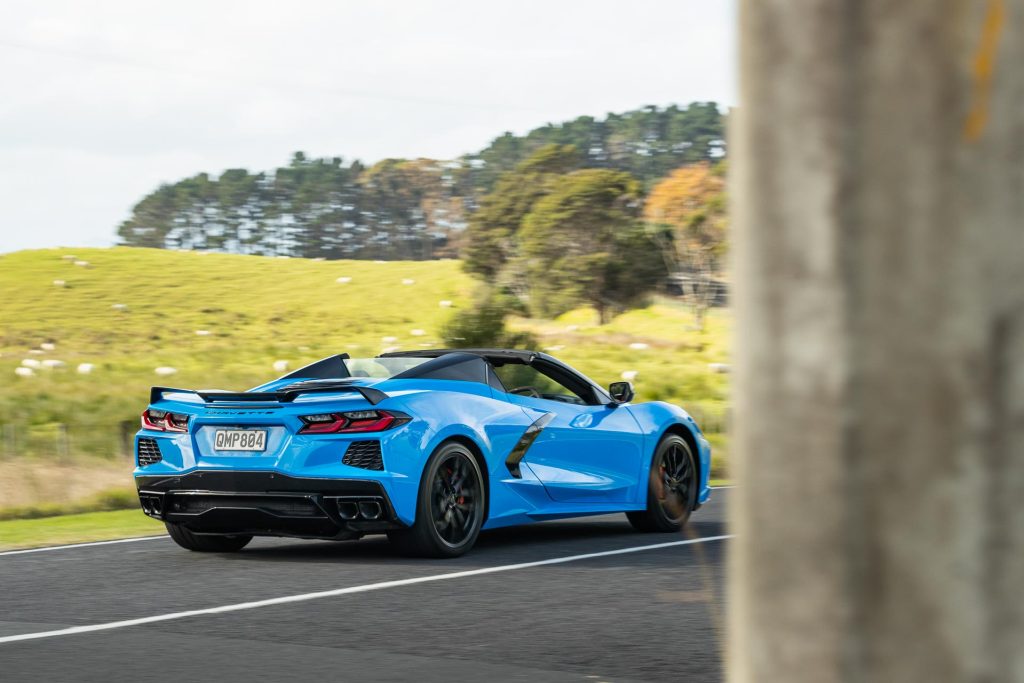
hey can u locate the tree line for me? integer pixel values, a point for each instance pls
(420, 208)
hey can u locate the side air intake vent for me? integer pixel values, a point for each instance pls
(148, 452)
(364, 454)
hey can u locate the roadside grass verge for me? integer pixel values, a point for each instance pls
(106, 501)
(93, 526)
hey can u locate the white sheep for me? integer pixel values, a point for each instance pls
(417, 333)
(51, 363)
(638, 346)
(24, 372)
(82, 264)
(60, 283)
(629, 375)
(280, 366)
(31, 363)
(408, 281)
(119, 307)
(343, 280)
(48, 346)
(165, 370)
(85, 368)
(389, 340)
(720, 368)
(444, 303)
(203, 333)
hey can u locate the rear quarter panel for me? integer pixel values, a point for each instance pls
(447, 409)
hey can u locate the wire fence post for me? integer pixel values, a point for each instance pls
(63, 451)
(9, 437)
(127, 440)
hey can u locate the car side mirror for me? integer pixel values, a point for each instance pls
(622, 392)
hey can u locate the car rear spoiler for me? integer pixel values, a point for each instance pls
(374, 396)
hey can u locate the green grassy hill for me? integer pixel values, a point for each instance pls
(222, 321)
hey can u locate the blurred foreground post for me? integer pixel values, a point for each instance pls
(879, 251)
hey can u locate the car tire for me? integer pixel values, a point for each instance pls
(449, 507)
(201, 543)
(671, 495)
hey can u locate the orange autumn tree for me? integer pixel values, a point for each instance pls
(687, 211)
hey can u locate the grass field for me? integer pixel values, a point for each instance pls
(93, 526)
(222, 321)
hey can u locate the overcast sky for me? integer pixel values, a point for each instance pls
(102, 101)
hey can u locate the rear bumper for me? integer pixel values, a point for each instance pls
(268, 504)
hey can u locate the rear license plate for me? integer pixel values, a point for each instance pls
(241, 440)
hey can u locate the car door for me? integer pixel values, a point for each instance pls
(585, 452)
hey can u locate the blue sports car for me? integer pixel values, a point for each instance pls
(428, 447)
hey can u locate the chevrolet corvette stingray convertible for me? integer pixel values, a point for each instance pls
(428, 447)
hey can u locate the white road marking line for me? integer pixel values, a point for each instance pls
(73, 630)
(80, 545)
(722, 488)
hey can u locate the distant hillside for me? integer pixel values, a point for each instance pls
(83, 332)
(401, 209)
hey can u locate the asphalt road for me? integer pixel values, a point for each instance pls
(653, 615)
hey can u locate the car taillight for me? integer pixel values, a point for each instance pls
(163, 421)
(352, 422)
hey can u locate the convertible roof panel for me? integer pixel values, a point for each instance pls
(466, 367)
(517, 355)
(332, 367)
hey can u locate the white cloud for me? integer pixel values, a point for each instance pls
(113, 98)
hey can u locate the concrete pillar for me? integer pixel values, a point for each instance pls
(878, 185)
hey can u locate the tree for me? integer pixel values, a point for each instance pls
(686, 213)
(582, 243)
(408, 205)
(492, 235)
(150, 221)
(483, 325)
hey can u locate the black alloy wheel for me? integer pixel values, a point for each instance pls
(454, 493)
(672, 491)
(450, 507)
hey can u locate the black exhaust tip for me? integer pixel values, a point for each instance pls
(370, 509)
(157, 506)
(348, 509)
(146, 507)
